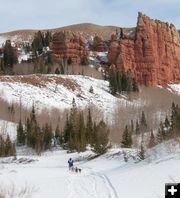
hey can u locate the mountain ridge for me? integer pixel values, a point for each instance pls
(89, 28)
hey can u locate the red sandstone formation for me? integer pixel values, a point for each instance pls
(66, 44)
(153, 55)
(99, 45)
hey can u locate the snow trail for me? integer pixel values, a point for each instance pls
(90, 185)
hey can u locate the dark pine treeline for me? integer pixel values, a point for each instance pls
(9, 57)
(41, 39)
(139, 129)
(7, 147)
(170, 128)
(76, 136)
(34, 136)
(120, 81)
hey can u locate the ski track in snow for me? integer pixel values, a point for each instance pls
(90, 185)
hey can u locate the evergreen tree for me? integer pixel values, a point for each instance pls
(121, 33)
(9, 148)
(69, 61)
(2, 146)
(21, 137)
(38, 43)
(143, 121)
(124, 82)
(81, 134)
(67, 130)
(101, 141)
(91, 90)
(10, 55)
(126, 138)
(47, 38)
(47, 136)
(166, 123)
(84, 60)
(58, 136)
(141, 154)
(89, 128)
(113, 80)
(57, 71)
(119, 83)
(135, 87)
(161, 133)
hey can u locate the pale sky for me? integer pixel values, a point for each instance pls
(40, 14)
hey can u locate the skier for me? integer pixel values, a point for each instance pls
(70, 162)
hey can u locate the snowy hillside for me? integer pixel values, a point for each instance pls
(58, 91)
(107, 176)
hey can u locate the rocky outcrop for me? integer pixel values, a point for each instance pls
(152, 55)
(66, 44)
(99, 45)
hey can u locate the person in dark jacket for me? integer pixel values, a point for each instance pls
(70, 162)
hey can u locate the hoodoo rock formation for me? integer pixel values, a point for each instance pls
(67, 44)
(99, 45)
(152, 55)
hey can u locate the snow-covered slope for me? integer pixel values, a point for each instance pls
(58, 91)
(175, 88)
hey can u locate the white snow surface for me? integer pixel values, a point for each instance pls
(96, 57)
(107, 176)
(175, 88)
(50, 94)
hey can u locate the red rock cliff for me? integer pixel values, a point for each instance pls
(153, 55)
(66, 44)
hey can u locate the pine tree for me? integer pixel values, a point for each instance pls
(121, 33)
(143, 120)
(73, 127)
(91, 90)
(58, 136)
(47, 38)
(69, 61)
(8, 149)
(47, 140)
(166, 122)
(135, 87)
(126, 138)
(2, 146)
(67, 130)
(113, 80)
(124, 82)
(89, 128)
(38, 43)
(101, 140)
(141, 154)
(119, 84)
(132, 126)
(161, 133)
(81, 133)
(57, 71)
(84, 60)
(21, 137)
(10, 55)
